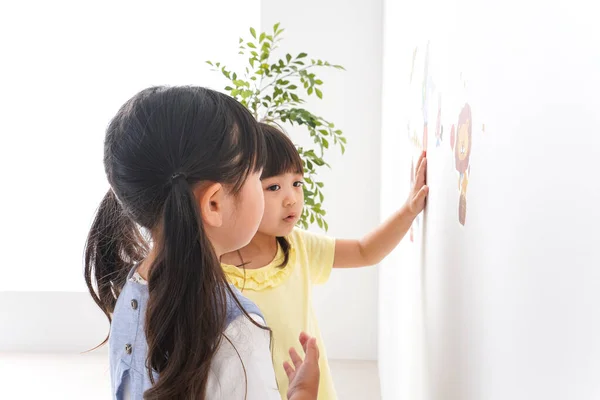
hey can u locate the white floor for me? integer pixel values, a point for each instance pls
(75, 377)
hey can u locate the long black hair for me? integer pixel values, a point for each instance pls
(282, 158)
(160, 144)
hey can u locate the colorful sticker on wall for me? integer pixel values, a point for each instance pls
(462, 155)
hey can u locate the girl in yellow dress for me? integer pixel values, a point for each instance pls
(281, 263)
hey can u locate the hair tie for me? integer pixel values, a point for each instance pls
(178, 175)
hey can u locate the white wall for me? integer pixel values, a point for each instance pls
(69, 67)
(110, 65)
(505, 307)
(347, 33)
(66, 69)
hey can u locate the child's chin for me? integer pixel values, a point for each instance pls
(284, 231)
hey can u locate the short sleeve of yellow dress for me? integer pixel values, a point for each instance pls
(284, 295)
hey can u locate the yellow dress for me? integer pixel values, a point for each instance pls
(284, 295)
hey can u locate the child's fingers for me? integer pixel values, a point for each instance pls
(312, 351)
(420, 197)
(303, 338)
(421, 172)
(296, 359)
(289, 371)
(421, 157)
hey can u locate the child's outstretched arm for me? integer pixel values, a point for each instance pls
(376, 245)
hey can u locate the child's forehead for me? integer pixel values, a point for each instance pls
(289, 174)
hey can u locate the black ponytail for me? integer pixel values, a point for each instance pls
(188, 267)
(113, 246)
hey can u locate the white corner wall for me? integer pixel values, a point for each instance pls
(506, 306)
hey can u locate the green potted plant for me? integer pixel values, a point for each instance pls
(273, 89)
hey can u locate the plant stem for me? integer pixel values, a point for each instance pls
(285, 76)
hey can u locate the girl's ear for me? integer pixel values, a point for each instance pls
(210, 198)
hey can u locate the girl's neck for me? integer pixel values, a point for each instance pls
(261, 243)
(261, 250)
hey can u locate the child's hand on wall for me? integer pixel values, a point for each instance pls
(419, 192)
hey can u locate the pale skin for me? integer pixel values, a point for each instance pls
(218, 210)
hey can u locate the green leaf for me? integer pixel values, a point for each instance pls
(319, 93)
(301, 55)
(251, 45)
(325, 143)
(310, 90)
(262, 37)
(253, 33)
(292, 87)
(288, 57)
(209, 63)
(318, 82)
(276, 26)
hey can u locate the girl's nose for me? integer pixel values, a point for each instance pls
(289, 201)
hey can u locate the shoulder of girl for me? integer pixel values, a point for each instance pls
(298, 235)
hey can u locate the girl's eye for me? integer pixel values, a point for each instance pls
(274, 188)
(298, 184)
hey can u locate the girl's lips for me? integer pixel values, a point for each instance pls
(290, 217)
